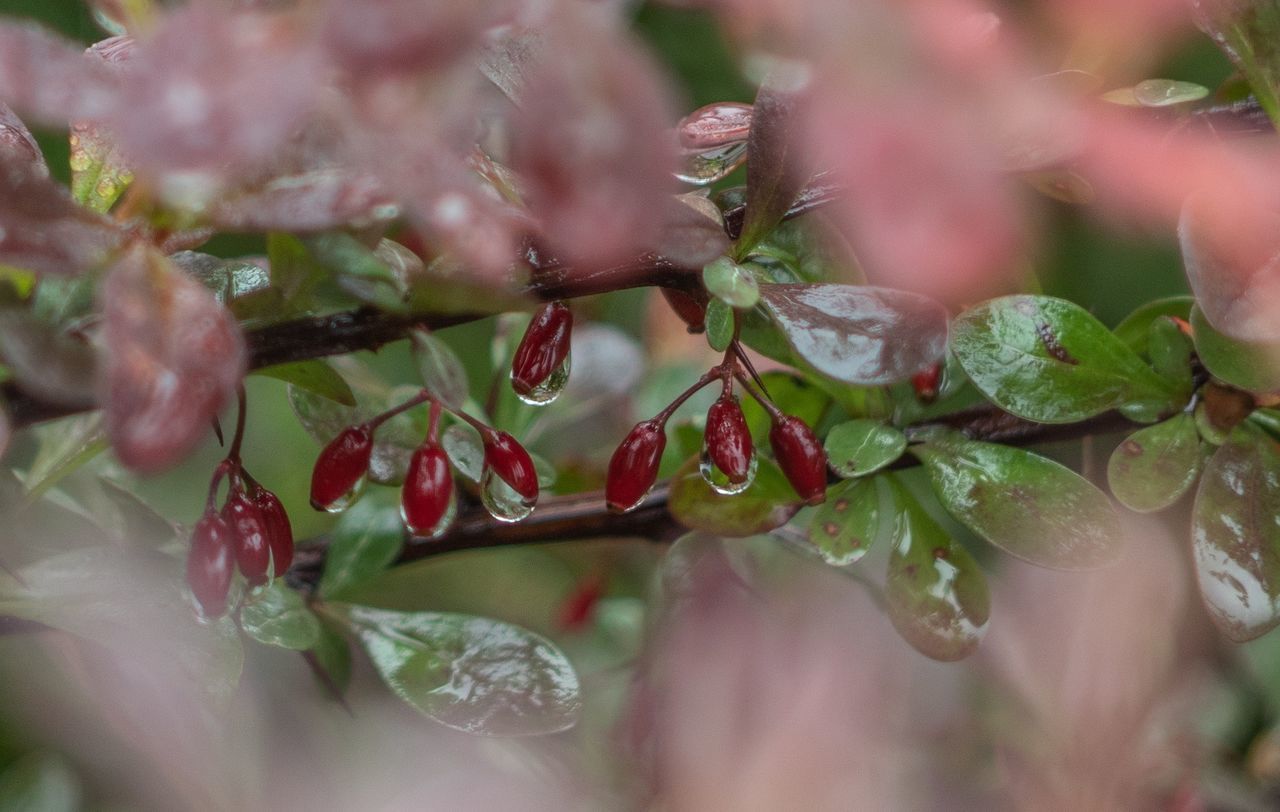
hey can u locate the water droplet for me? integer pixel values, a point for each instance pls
(705, 168)
(719, 481)
(443, 525)
(347, 499)
(550, 389)
(501, 500)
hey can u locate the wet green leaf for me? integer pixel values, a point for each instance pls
(65, 446)
(719, 324)
(795, 251)
(861, 447)
(1026, 505)
(442, 373)
(767, 503)
(846, 525)
(316, 377)
(1236, 535)
(937, 595)
(469, 673)
(1254, 367)
(366, 540)
(732, 283)
(98, 173)
(1135, 329)
(40, 782)
(1167, 92)
(462, 443)
(277, 616)
(856, 334)
(1156, 465)
(1170, 351)
(359, 271)
(1048, 360)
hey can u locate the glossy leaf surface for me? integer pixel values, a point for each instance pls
(1155, 466)
(847, 524)
(1250, 366)
(860, 447)
(366, 540)
(278, 616)
(314, 376)
(1026, 505)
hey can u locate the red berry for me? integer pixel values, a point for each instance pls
(279, 531)
(926, 381)
(428, 491)
(341, 466)
(209, 564)
(543, 348)
(513, 465)
(728, 440)
(801, 457)
(576, 611)
(249, 536)
(634, 466)
(691, 309)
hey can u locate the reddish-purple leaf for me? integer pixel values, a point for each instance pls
(861, 335)
(692, 231)
(16, 141)
(314, 201)
(41, 227)
(48, 78)
(172, 358)
(396, 36)
(589, 142)
(45, 362)
(214, 89)
(1234, 271)
(775, 171)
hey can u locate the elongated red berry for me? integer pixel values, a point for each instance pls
(691, 309)
(248, 536)
(210, 563)
(279, 531)
(543, 349)
(801, 457)
(728, 440)
(340, 467)
(427, 497)
(513, 465)
(926, 382)
(634, 466)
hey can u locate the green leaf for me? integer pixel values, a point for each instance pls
(469, 673)
(1170, 351)
(795, 251)
(719, 324)
(332, 655)
(1048, 360)
(278, 616)
(40, 782)
(462, 443)
(98, 174)
(1026, 505)
(442, 373)
(366, 540)
(861, 447)
(1248, 32)
(314, 376)
(1156, 465)
(359, 271)
(856, 334)
(1135, 329)
(1236, 535)
(767, 503)
(937, 595)
(65, 446)
(732, 283)
(1249, 366)
(847, 524)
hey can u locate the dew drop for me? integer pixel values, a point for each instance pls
(347, 499)
(719, 481)
(501, 500)
(550, 389)
(705, 168)
(441, 526)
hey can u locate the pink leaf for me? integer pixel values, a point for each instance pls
(48, 78)
(313, 201)
(41, 227)
(172, 359)
(16, 141)
(376, 36)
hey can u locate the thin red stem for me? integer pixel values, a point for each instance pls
(236, 441)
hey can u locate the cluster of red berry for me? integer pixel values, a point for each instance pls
(251, 532)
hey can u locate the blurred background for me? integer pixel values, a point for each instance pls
(781, 684)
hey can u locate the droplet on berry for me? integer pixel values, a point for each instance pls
(279, 531)
(728, 461)
(501, 500)
(540, 367)
(427, 501)
(342, 469)
(508, 459)
(249, 536)
(210, 564)
(634, 466)
(801, 457)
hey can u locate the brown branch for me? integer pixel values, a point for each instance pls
(583, 516)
